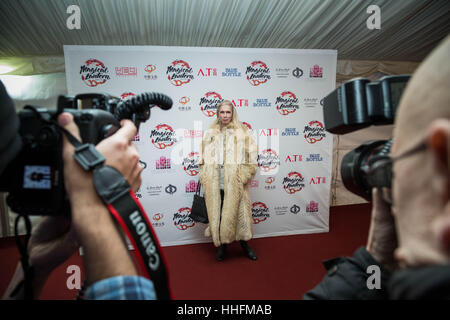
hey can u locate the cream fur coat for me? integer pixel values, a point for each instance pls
(240, 166)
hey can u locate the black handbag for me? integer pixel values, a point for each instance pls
(198, 210)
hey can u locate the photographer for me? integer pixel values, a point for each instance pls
(110, 271)
(409, 240)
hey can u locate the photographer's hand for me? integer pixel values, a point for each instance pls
(105, 251)
(121, 153)
(382, 240)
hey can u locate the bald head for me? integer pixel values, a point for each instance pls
(426, 98)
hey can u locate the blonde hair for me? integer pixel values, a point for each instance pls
(234, 118)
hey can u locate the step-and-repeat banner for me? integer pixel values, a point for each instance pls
(278, 94)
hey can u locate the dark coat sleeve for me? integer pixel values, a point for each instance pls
(346, 279)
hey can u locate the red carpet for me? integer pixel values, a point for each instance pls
(286, 268)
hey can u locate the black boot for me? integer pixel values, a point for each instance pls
(221, 252)
(248, 250)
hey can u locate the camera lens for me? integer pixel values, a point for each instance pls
(354, 167)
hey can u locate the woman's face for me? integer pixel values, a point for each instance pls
(225, 114)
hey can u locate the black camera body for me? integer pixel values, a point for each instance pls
(35, 177)
(358, 104)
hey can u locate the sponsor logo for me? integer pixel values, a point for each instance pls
(190, 164)
(287, 103)
(191, 186)
(270, 185)
(127, 95)
(253, 183)
(208, 103)
(268, 132)
(157, 220)
(314, 132)
(280, 210)
(295, 209)
(184, 104)
(317, 180)
(282, 72)
(293, 158)
(257, 73)
(314, 157)
(312, 206)
(262, 103)
(231, 72)
(193, 133)
(162, 163)
(297, 72)
(126, 71)
(260, 212)
(153, 190)
(163, 136)
(94, 73)
(290, 132)
(181, 219)
(170, 189)
(316, 71)
(294, 182)
(207, 72)
(179, 73)
(311, 102)
(268, 160)
(240, 102)
(149, 69)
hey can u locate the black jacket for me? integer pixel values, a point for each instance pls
(346, 279)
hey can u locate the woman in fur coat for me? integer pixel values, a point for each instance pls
(228, 162)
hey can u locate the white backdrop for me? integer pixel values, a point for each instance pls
(277, 93)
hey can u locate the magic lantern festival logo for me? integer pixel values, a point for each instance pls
(260, 212)
(268, 160)
(208, 103)
(157, 220)
(94, 73)
(179, 73)
(248, 125)
(149, 72)
(314, 132)
(316, 71)
(257, 73)
(287, 103)
(127, 95)
(163, 136)
(294, 182)
(191, 186)
(190, 164)
(181, 219)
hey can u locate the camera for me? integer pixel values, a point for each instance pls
(34, 178)
(358, 104)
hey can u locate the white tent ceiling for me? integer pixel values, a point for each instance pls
(409, 28)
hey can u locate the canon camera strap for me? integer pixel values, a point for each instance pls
(122, 203)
